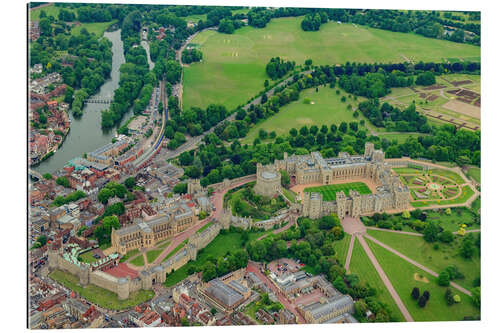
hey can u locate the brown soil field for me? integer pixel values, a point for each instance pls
(463, 108)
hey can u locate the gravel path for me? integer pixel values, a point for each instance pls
(349, 254)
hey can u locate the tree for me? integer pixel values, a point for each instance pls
(448, 296)
(476, 296)
(63, 181)
(444, 279)
(340, 285)
(209, 271)
(415, 293)
(47, 176)
(130, 182)
(104, 195)
(431, 232)
(226, 26)
(406, 214)
(213, 311)
(285, 178)
(180, 188)
(422, 301)
(446, 236)
(467, 248)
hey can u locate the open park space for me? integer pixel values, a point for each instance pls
(402, 276)
(98, 295)
(325, 107)
(329, 192)
(233, 66)
(455, 99)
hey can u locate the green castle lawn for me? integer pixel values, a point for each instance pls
(329, 192)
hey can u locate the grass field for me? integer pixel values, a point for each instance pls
(233, 67)
(97, 28)
(153, 254)
(204, 227)
(327, 109)
(329, 191)
(50, 10)
(399, 137)
(98, 295)
(218, 247)
(290, 195)
(418, 249)
(474, 173)
(402, 276)
(138, 261)
(448, 174)
(87, 257)
(362, 266)
(341, 247)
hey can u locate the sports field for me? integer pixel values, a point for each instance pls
(326, 108)
(233, 66)
(329, 191)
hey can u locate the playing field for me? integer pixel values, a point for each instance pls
(326, 108)
(233, 66)
(329, 191)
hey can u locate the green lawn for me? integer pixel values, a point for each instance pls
(402, 276)
(129, 255)
(341, 247)
(400, 171)
(399, 137)
(418, 249)
(153, 254)
(467, 192)
(163, 244)
(448, 174)
(218, 247)
(233, 66)
(290, 195)
(474, 173)
(174, 251)
(50, 10)
(101, 296)
(362, 266)
(327, 109)
(138, 261)
(97, 28)
(329, 192)
(87, 257)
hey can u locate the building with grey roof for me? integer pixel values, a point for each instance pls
(326, 309)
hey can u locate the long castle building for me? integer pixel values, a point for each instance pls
(391, 194)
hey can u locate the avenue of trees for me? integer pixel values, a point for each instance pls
(276, 68)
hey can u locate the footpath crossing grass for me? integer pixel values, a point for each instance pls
(402, 276)
(363, 268)
(418, 249)
(98, 295)
(233, 66)
(329, 192)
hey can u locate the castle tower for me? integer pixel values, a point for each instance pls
(356, 203)
(341, 204)
(123, 288)
(225, 218)
(53, 257)
(369, 148)
(84, 274)
(194, 186)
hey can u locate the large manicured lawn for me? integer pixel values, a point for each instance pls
(233, 66)
(221, 244)
(97, 28)
(418, 249)
(327, 109)
(363, 268)
(402, 276)
(98, 295)
(329, 192)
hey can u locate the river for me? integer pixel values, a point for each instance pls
(86, 133)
